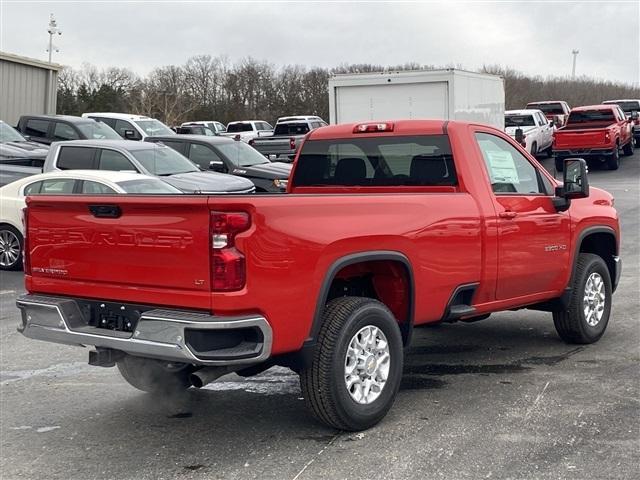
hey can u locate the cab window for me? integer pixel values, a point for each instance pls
(74, 158)
(57, 186)
(95, 188)
(64, 132)
(112, 160)
(509, 171)
(201, 155)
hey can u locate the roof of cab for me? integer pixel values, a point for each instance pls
(121, 144)
(524, 111)
(400, 127)
(122, 116)
(594, 107)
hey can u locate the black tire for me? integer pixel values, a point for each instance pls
(8, 258)
(629, 148)
(613, 162)
(571, 324)
(534, 149)
(559, 164)
(323, 382)
(155, 376)
(549, 151)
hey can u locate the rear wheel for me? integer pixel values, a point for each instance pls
(613, 162)
(11, 243)
(534, 149)
(155, 376)
(629, 148)
(587, 316)
(356, 369)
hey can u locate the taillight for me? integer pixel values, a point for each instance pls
(26, 262)
(607, 137)
(373, 127)
(292, 144)
(228, 263)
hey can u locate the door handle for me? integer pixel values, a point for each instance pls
(508, 214)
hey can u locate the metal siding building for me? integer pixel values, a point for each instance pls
(27, 86)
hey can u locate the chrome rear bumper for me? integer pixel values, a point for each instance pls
(160, 333)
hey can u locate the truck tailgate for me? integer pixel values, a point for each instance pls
(272, 145)
(155, 247)
(580, 138)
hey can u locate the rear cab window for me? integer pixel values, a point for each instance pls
(379, 161)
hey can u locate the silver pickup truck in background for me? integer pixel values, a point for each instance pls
(287, 137)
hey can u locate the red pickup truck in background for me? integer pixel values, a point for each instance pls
(386, 226)
(595, 132)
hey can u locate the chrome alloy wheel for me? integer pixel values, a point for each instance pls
(9, 248)
(594, 300)
(366, 364)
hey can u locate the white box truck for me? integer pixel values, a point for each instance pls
(423, 94)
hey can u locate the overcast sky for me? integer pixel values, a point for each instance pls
(535, 38)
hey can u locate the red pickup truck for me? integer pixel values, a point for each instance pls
(595, 132)
(386, 226)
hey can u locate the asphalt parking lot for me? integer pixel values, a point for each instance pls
(502, 398)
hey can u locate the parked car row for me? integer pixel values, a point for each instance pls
(597, 133)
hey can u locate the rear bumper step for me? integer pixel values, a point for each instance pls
(172, 335)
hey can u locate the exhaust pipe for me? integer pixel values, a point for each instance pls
(206, 375)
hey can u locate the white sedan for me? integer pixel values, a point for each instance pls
(68, 182)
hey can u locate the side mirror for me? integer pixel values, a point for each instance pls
(575, 183)
(217, 166)
(130, 135)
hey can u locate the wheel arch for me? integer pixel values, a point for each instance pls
(352, 260)
(601, 241)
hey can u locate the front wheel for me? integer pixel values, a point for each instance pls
(155, 376)
(356, 369)
(587, 316)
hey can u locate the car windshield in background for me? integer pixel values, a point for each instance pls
(94, 130)
(377, 161)
(10, 134)
(628, 107)
(291, 129)
(153, 128)
(147, 186)
(519, 121)
(239, 127)
(164, 161)
(585, 116)
(552, 108)
(241, 154)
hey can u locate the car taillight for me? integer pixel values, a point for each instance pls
(292, 144)
(373, 127)
(228, 263)
(26, 263)
(607, 137)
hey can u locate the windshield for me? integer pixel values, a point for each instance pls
(239, 127)
(585, 116)
(291, 128)
(628, 107)
(9, 134)
(98, 131)
(241, 154)
(153, 127)
(147, 186)
(519, 121)
(551, 108)
(164, 161)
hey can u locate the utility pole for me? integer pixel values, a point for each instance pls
(573, 70)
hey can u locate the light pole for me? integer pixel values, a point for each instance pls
(573, 70)
(52, 30)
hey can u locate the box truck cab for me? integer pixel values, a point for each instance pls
(438, 94)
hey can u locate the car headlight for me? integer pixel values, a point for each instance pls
(281, 183)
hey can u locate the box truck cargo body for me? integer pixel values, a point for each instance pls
(437, 94)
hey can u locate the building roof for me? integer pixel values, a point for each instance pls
(11, 57)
